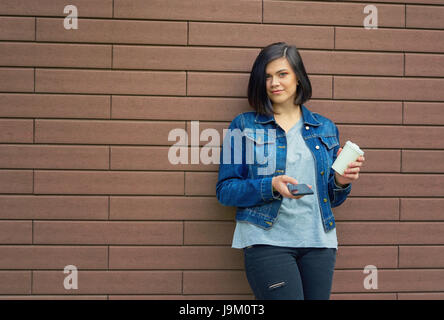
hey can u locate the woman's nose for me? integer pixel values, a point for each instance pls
(274, 81)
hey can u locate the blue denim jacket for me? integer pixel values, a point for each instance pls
(244, 181)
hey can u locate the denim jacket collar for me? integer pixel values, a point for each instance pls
(307, 117)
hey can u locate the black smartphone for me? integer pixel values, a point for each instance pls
(299, 189)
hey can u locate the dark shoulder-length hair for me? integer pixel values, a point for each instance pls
(257, 91)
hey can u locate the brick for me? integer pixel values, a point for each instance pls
(110, 282)
(113, 31)
(105, 132)
(421, 233)
(16, 130)
(212, 10)
(425, 16)
(183, 58)
(108, 182)
(367, 209)
(53, 257)
(431, 161)
(235, 85)
(421, 296)
(184, 297)
(179, 108)
(398, 185)
(15, 232)
(421, 257)
(366, 233)
(169, 208)
(388, 88)
(215, 282)
(110, 82)
(389, 281)
(349, 257)
(393, 137)
(196, 257)
(258, 35)
(358, 63)
(87, 8)
(15, 28)
(53, 207)
(423, 65)
(329, 13)
(422, 209)
(389, 40)
(403, 1)
(374, 112)
(199, 183)
(17, 79)
(54, 157)
(51, 297)
(93, 232)
(423, 113)
(363, 296)
(16, 181)
(15, 282)
(54, 106)
(208, 233)
(55, 55)
(152, 158)
(354, 233)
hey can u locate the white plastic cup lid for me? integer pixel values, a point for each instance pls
(355, 147)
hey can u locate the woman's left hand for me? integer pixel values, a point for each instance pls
(351, 173)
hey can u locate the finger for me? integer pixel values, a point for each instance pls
(351, 176)
(291, 180)
(354, 164)
(352, 170)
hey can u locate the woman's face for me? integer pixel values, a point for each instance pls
(281, 81)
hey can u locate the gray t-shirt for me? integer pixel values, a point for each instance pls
(299, 221)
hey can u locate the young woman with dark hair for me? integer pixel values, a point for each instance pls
(289, 241)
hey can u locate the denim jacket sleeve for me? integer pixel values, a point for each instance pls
(336, 193)
(234, 187)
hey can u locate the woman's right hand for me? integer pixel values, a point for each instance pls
(280, 184)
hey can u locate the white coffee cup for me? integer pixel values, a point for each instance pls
(351, 152)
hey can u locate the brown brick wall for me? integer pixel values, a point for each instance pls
(85, 115)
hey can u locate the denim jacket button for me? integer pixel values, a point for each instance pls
(307, 127)
(317, 147)
(325, 200)
(322, 173)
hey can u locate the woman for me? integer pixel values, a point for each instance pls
(289, 240)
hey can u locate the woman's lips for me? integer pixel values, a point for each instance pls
(277, 91)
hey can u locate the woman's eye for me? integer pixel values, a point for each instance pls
(283, 73)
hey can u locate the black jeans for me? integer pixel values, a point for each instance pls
(283, 273)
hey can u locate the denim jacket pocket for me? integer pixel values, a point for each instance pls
(330, 143)
(260, 152)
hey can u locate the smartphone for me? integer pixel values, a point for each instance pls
(299, 189)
